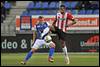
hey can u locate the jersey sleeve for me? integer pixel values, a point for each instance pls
(70, 16)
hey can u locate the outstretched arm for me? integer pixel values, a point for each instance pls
(54, 21)
(52, 27)
(34, 34)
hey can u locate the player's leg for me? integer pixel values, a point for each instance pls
(48, 42)
(29, 54)
(64, 48)
(62, 37)
(51, 51)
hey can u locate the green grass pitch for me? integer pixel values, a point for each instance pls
(41, 59)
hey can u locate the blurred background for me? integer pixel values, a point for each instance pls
(17, 22)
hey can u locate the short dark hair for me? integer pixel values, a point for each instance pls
(62, 6)
(40, 17)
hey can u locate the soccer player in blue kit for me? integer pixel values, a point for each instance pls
(42, 30)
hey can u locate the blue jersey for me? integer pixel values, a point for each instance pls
(40, 28)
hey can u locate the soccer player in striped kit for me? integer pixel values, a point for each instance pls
(60, 24)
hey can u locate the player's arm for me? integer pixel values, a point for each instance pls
(52, 27)
(54, 21)
(34, 33)
(74, 22)
(70, 17)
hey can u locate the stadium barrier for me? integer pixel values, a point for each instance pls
(85, 22)
(75, 43)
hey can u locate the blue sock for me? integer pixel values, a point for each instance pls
(28, 55)
(51, 52)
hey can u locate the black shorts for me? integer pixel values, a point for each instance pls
(60, 34)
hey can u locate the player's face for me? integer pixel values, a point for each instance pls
(41, 19)
(62, 9)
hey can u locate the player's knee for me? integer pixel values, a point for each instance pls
(63, 43)
(33, 50)
(52, 45)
